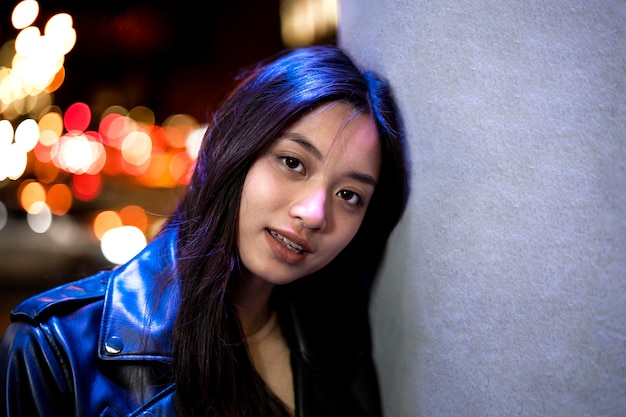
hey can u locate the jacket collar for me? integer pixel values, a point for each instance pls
(138, 315)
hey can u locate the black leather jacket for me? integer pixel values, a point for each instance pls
(83, 349)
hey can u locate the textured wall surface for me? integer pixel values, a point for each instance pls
(504, 289)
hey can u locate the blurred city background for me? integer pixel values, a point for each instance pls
(102, 105)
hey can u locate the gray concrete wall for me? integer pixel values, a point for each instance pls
(504, 289)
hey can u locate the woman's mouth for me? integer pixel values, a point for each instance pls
(289, 244)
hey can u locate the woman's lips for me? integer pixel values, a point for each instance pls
(289, 253)
(289, 244)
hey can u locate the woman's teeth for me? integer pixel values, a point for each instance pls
(288, 243)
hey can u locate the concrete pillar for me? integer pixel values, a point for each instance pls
(504, 289)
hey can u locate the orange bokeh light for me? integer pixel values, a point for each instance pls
(46, 173)
(56, 82)
(30, 192)
(178, 128)
(181, 167)
(43, 153)
(134, 216)
(59, 199)
(105, 221)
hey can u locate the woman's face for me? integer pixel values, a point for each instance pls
(304, 199)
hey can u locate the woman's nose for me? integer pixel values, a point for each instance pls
(311, 210)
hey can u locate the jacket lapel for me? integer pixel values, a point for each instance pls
(138, 318)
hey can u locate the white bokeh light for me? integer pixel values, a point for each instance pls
(120, 244)
(4, 215)
(39, 217)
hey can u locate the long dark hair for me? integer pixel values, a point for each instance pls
(212, 371)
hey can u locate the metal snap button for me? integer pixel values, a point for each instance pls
(113, 345)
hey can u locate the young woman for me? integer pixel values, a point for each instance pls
(252, 300)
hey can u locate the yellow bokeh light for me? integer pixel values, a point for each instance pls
(136, 148)
(33, 63)
(303, 22)
(24, 14)
(37, 103)
(178, 128)
(143, 115)
(51, 128)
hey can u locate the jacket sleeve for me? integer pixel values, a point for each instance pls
(32, 379)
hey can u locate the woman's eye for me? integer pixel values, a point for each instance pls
(351, 197)
(293, 163)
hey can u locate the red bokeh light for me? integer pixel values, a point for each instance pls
(77, 117)
(86, 187)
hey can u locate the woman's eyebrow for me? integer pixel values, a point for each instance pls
(306, 144)
(363, 178)
(312, 149)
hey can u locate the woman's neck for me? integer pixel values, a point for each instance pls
(252, 303)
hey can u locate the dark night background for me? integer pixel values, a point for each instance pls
(175, 58)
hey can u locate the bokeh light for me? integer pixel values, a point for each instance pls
(46, 173)
(6, 133)
(134, 215)
(36, 64)
(13, 162)
(105, 221)
(4, 215)
(122, 243)
(77, 117)
(50, 128)
(39, 217)
(303, 22)
(59, 199)
(29, 193)
(194, 140)
(86, 187)
(27, 135)
(59, 30)
(113, 128)
(178, 128)
(136, 148)
(181, 167)
(142, 115)
(62, 158)
(24, 14)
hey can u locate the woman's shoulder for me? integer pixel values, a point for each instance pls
(55, 301)
(61, 338)
(127, 312)
(139, 273)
